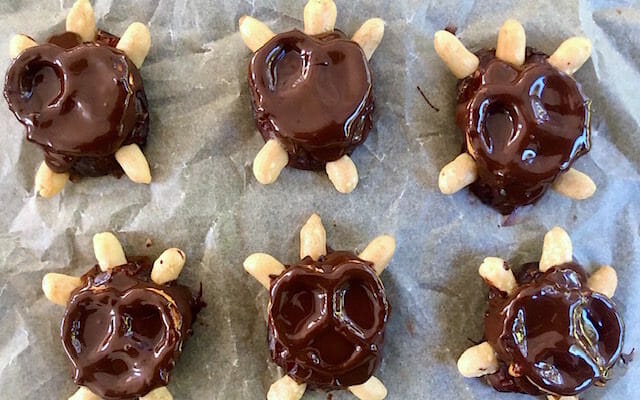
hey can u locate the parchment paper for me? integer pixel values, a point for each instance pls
(205, 200)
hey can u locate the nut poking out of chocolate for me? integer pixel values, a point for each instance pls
(552, 335)
(314, 94)
(327, 320)
(523, 125)
(123, 333)
(80, 102)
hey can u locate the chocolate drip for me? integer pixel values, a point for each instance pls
(123, 333)
(327, 321)
(524, 126)
(314, 94)
(555, 334)
(79, 101)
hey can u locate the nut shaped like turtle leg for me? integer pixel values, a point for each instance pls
(478, 361)
(49, 183)
(379, 252)
(556, 249)
(108, 250)
(286, 388)
(134, 163)
(136, 42)
(168, 266)
(604, 280)
(262, 266)
(313, 238)
(254, 33)
(82, 20)
(18, 44)
(574, 185)
(372, 389)
(84, 394)
(458, 174)
(369, 36)
(450, 49)
(269, 162)
(57, 288)
(343, 174)
(496, 273)
(161, 393)
(571, 54)
(320, 16)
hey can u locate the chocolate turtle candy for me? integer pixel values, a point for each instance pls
(524, 126)
(327, 320)
(314, 94)
(553, 335)
(80, 102)
(123, 333)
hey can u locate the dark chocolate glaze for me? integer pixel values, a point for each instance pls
(559, 336)
(524, 126)
(123, 333)
(314, 94)
(79, 101)
(327, 321)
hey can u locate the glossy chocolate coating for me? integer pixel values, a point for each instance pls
(560, 337)
(123, 333)
(314, 94)
(524, 126)
(327, 321)
(79, 101)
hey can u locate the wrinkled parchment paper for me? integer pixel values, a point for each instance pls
(205, 200)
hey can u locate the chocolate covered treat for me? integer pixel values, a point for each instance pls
(81, 98)
(125, 322)
(312, 94)
(549, 330)
(524, 119)
(327, 315)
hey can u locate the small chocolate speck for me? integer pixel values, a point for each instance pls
(452, 29)
(148, 243)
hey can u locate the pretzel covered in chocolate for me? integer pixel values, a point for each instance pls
(327, 315)
(524, 119)
(81, 98)
(125, 322)
(549, 330)
(312, 94)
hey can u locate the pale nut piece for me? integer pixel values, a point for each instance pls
(134, 163)
(254, 33)
(161, 393)
(313, 238)
(168, 266)
(604, 280)
(108, 251)
(286, 388)
(379, 252)
(556, 249)
(57, 288)
(496, 273)
(571, 54)
(372, 389)
(20, 43)
(49, 183)
(512, 43)
(269, 162)
(136, 43)
(262, 266)
(369, 36)
(551, 397)
(343, 174)
(84, 394)
(82, 20)
(458, 174)
(574, 185)
(460, 61)
(478, 361)
(320, 16)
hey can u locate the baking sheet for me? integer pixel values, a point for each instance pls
(205, 200)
